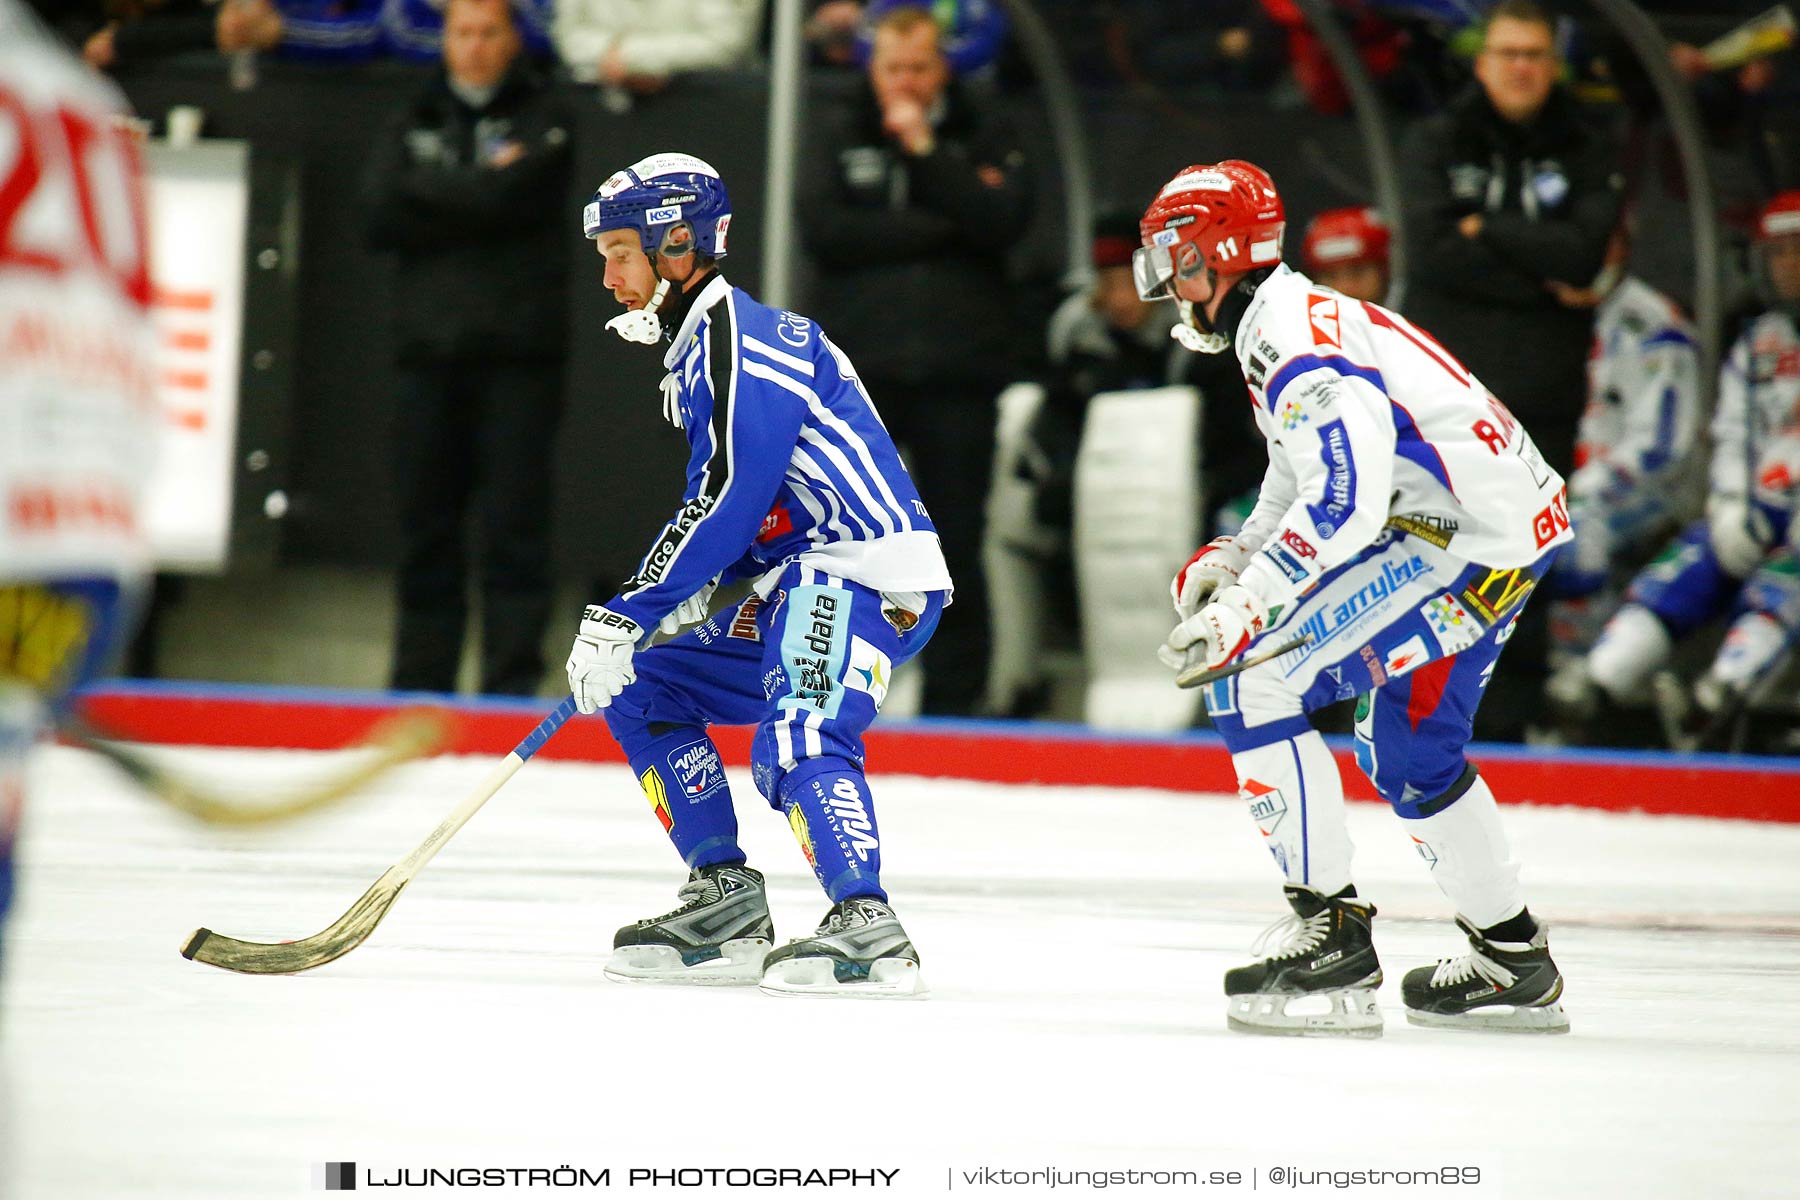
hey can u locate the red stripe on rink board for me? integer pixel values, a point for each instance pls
(996, 751)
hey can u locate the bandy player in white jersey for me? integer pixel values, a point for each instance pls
(76, 399)
(1404, 518)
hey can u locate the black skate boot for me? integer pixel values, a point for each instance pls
(1320, 977)
(859, 950)
(719, 934)
(1513, 987)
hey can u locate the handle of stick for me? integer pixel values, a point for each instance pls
(1194, 679)
(516, 758)
(534, 741)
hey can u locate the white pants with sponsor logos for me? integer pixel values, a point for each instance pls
(1413, 631)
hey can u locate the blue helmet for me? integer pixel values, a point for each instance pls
(660, 193)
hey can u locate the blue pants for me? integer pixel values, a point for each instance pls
(1685, 587)
(55, 635)
(809, 667)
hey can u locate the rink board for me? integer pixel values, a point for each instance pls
(1712, 785)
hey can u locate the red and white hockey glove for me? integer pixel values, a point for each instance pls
(600, 661)
(1217, 633)
(1214, 566)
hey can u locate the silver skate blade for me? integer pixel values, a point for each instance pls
(1345, 1012)
(888, 979)
(739, 964)
(1497, 1018)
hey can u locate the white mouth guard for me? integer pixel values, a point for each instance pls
(1192, 339)
(642, 325)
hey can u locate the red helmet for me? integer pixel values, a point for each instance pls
(1780, 217)
(1227, 217)
(1772, 254)
(1340, 237)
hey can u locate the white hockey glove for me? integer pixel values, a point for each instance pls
(691, 611)
(1214, 566)
(1217, 633)
(600, 663)
(1740, 534)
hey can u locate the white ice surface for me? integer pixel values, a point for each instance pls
(1073, 938)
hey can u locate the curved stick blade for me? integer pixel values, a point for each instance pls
(289, 958)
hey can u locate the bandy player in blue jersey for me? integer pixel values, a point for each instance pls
(1403, 519)
(793, 482)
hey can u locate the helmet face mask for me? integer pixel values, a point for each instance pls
(1153, 270)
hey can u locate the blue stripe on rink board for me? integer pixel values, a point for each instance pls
(1049, 731)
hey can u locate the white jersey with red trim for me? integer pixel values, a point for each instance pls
(1756, 430)
(1371, 423)
(77, 401)
(1643, 409)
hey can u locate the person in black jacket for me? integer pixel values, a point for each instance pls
(911, 201)
(468, 187)
(1507, 193)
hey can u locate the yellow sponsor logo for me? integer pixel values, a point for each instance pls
(42, 635)
(1499, 593)
(1437, 531)
(659, 797)
(803, 835)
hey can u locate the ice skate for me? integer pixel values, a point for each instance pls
(1573, 701)
(1319, 977)
(859, 950)
(719, 935)
(1510, 987)
(1694, 718)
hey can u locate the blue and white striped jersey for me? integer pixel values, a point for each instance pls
(788, 460)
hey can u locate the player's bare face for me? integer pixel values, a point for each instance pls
(479, 42)
(1115, 298)
(628, 271)
(1517, 67)
(1359, 281)
(1783, 257)
(907, 66)
(1200, 291)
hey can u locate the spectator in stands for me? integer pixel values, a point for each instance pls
(1401, 46)
(1509, 193)
(414, 29)
(121, 33)
(830, 32)
(333, 30)
(912, 198)
(114, 33)
(469, 187)
(971, 33)
(637, 46)
(1101, 339)
(1346, 249)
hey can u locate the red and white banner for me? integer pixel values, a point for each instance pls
(199, 203)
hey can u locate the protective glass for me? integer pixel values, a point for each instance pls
(1153, 270)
